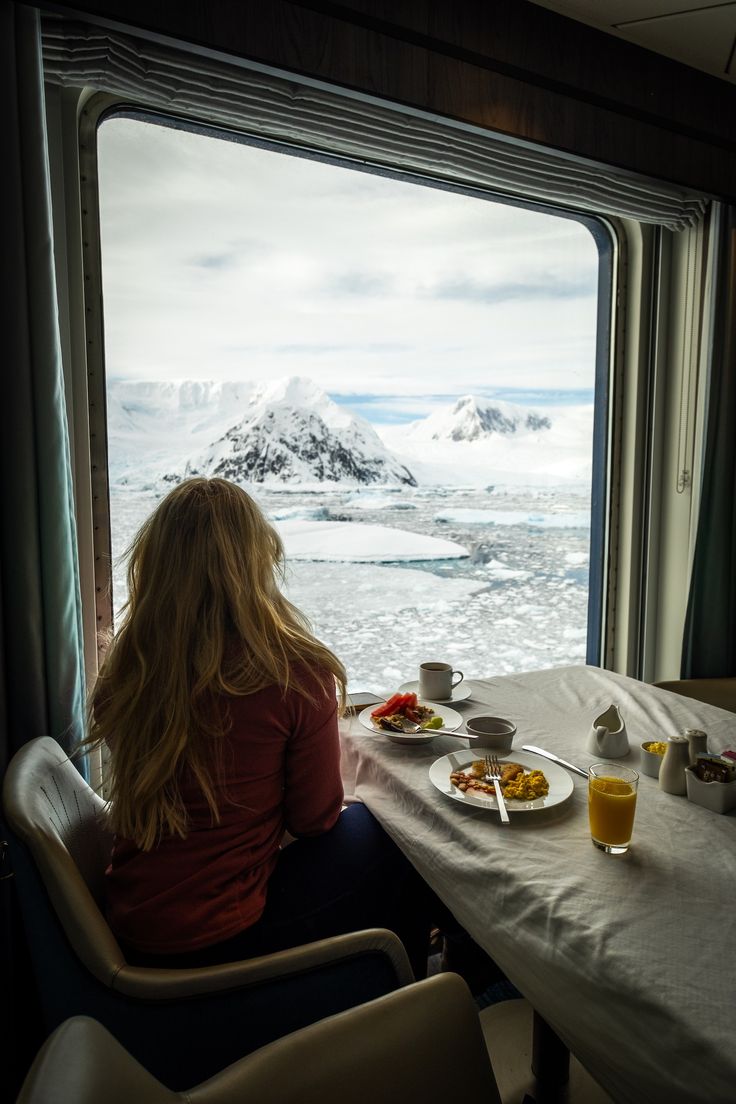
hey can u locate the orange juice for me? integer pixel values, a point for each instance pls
(611, 807)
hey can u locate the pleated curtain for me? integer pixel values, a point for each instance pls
(296, 111)
(42, 689)
(41, 625)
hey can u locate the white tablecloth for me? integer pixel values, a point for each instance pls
(631, 959)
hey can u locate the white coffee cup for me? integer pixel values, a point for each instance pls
(437, 681)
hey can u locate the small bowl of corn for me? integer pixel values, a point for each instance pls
(652, 754)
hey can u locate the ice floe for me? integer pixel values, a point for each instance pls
(354, 542)
(372, 589)
(572, 520)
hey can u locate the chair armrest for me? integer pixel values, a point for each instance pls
(151, 983)
(423, 1042)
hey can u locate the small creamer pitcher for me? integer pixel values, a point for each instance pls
(607, 738)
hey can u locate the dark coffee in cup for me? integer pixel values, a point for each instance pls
(437, 681)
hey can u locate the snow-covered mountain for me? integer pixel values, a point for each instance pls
(288, 432)
(477, 441)
(292, 432)
(474, 419)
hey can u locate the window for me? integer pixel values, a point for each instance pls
(411, 380)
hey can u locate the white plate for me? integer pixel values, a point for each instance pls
(450, 719)
(560, 782)
(461, 692)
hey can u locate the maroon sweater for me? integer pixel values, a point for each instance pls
(282, 771)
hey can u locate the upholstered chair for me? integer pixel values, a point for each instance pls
(420, 1043)
(713, 691)
(182, 1025)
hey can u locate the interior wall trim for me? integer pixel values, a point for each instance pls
(283, 108)
(546, 82)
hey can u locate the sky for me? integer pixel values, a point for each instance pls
(229, 262)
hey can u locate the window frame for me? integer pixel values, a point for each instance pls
(620, 570)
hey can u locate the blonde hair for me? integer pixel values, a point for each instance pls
(204, 618)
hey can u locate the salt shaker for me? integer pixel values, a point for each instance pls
(672, 777)
(698, 743)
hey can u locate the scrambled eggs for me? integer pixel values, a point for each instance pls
(526, 787)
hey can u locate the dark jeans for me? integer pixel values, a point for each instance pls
(352, 877)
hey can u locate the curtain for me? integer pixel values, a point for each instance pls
(348, 125)
(709, 643)
(42, 689)
(41, 609)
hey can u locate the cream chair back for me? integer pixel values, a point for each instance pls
(60, 819)
(81, 1063)
(422, 1043)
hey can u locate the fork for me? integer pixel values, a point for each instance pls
(493, 770)
(413, 729)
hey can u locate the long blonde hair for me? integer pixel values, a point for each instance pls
(204, 618)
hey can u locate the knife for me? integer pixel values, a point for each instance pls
(555, 759)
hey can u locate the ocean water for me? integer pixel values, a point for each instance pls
(517, 602)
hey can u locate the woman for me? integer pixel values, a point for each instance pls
(219, 710)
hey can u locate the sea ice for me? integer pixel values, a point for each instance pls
(367, 589)
(358, 543)
(502, 572)
(486, 588)
(299, 513)
(367, 500)
(573, 519)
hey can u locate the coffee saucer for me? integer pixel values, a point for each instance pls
(461, 692)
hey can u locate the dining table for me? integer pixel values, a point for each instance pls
(631, 958)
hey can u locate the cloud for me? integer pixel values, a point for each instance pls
(216, 260)
(550, 287)
(359, 283)
(319, 349)
(224, 261)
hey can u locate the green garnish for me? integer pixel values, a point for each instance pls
(433, 722)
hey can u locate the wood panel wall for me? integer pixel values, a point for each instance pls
(507, 65)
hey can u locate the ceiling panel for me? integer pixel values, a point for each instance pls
(700, 33)
(703, 39)
(607, 13)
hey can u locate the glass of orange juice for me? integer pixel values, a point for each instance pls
(611, 806)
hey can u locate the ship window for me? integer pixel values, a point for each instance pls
(412, 381)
